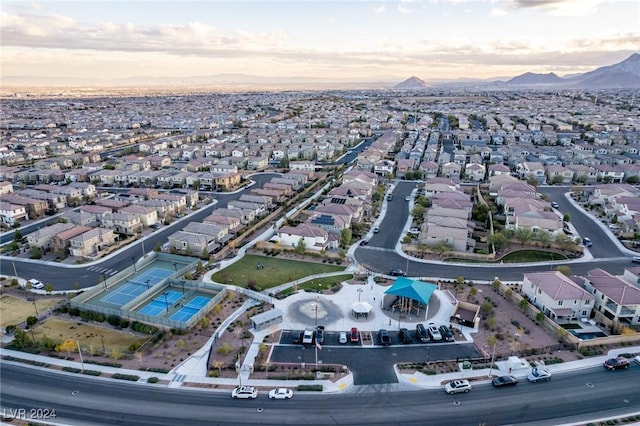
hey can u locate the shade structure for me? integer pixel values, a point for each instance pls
(419, 291)
(361, 308)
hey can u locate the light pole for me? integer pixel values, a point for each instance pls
(15, 273)
(147, 283)
(175, 267)
(36, 308)
(183, 296)
(316, 306)
(493, 354)
(102, 338)
(166, 302)
(104, 281)
(133, 262)
(359, 293)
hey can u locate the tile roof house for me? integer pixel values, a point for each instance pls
(557, 296)
(313, 237)
(616, 298)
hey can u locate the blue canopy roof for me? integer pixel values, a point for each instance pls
(413, 289)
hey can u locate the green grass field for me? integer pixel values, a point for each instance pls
(274, 272)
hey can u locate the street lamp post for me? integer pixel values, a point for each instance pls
(36, 308)
(493, 354)
(359, 293)
(15, 272)
(175, 267)
(104, 281)
(147, 283)
(102, 338)
(166, 302)
(183, 296)
(133, 262)
(316, 306)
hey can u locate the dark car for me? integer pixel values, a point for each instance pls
(364, 242)
(504, 381)
(397, 272)
(617, 363)
(320, 334)
(447, 336)
(385, 339)
(423, 334)
(297, 338)
(405, 336)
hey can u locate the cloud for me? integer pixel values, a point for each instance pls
(560, 7)
(378, 10)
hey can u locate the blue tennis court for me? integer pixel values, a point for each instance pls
(159, 304)
(132, 288)
(194, 306)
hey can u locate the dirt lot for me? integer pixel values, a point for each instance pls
(14, 310)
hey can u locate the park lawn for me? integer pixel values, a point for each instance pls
(317, 284)
(522, 256)
(275, 271)
(61, 330)
(14, 310)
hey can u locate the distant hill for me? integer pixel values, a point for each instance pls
(411, 83)
(533, 78)
(625, 74)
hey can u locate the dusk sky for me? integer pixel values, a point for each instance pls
(336, 40)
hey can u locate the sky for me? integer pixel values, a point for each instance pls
(340, 40)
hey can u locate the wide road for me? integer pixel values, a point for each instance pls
(81, 400)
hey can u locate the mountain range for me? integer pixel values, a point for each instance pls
(623, 75)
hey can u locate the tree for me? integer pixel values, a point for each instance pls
(17, 236)
(21, 339)
(301, 246)
(498, 239)
(564, 269)
(48, 288)
(218, 365)
(66, 346)
(441, 247)
(345, 237)
(544, 237)
(418, 212)
(492, 340)
(480, 213)
(524, 235)
(523, 305)
(35, 252)
(566, 218)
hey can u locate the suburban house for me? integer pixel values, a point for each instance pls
(12, 213)
(313, 237)
(557, 296)
(617, 298)
(89, 243)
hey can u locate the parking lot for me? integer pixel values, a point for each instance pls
(360, 359)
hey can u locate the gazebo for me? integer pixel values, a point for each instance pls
(409, 292)
(361, 309)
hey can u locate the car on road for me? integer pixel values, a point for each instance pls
(364, 242)
(405, 337)
(385, 339)
(586, 241)
(635, 259)
(320, 334)
(280, 393)
(397, 272)
(35, 284)
(389, 197)
(407, 198)
(457, 386)
(554, 205)
(539, 374)
(504, 381)
(434, 332)
(244, 392)
(637, 359)
(376, 229)
(617, 363)
(342, 338)
(354, 336)
(447, 336)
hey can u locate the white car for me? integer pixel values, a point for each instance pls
(434, 332)
(280, 393)
(457, 386)
(637, 359)
(343, 337)
(244, 392)
(36, 284)
(539, 374)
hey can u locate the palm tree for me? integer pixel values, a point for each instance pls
(524, 235)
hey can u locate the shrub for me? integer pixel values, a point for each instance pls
(152, 380)
(225, 349)
(130, 377)
(314, 388)
(10, 329)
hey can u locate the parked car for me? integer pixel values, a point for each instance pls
(586, 241)
(342, 338)
(389, 197)
(405, 336)
(244, 392)
(554, 205)
(635, 259)
(617, 363)
(385, 339)
(447, 336)
(457, 386)
(539, 374)
(397, 272)
(297, 338)
(320, 334)
(307, 337)
(364, 242)
(423, 334)
(354, 336)
(376, 229)
(637, 359)
(504, 381)
(280, 393)
(434, 332)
